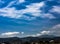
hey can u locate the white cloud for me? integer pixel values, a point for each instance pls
(36, 5)
(45, 32)
(33, 35)
(55, 9)
(9, 12)
(21, 1)
(48, 15)
(32, 9)
(10, 33)
(22, 32)
(55, 30)
(40, 34)
(56, 27)
(10, 4)
(36, 35)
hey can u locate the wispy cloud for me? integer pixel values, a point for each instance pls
(54, 30)
(9, 12)
(55, 9)
(33, 9)
(21, 1)
(40, 34)
(56, 26)
(48, 15)
(10, 4)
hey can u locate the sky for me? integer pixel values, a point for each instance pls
(22, 18)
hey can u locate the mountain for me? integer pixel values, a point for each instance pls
(9, 39)
(47, 36)
(30, 39)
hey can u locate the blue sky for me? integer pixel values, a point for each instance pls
(29, 18)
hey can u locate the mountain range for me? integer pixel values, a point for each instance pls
(40, 38)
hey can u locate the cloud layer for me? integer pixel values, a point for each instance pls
(33, 9)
